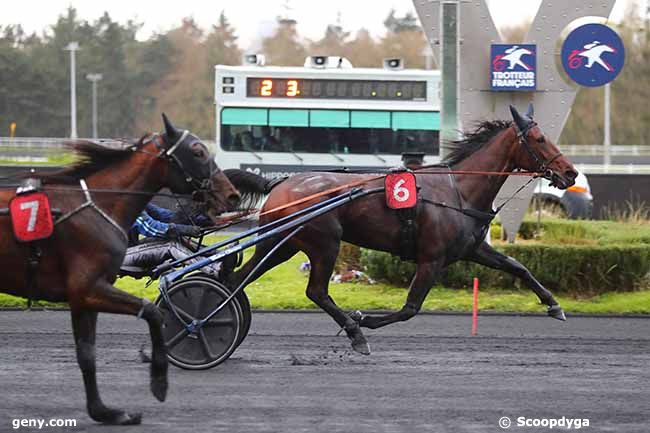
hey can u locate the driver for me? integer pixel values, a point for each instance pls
(163, 239)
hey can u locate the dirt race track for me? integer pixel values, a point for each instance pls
(293, 375)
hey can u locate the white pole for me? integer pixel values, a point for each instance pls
(73, 47)
(94, 109)
(607, 140)
(94, 78)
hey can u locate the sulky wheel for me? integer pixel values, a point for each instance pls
(245, 304)
(211, 343)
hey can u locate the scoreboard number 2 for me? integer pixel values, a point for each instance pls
(267, 88)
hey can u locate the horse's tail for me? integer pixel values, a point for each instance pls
(251, 186)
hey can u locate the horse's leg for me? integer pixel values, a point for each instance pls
(104, 297)
(322, 259)
(83, 326)
(488, 256)
(424, 278)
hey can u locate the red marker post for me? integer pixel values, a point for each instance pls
(475, 308)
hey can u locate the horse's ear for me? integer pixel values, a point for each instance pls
(170, 130)
(519, 121)
(531, 111)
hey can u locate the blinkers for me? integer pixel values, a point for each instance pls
(193, 160)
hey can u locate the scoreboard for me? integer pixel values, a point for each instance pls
(258, 87)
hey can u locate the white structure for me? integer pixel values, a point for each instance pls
(94, 78)
(461, 33)
(73, 47)
(276, 120)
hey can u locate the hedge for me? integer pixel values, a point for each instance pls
(575, 269)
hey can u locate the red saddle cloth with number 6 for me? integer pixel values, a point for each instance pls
(31, 216)
(401, 190)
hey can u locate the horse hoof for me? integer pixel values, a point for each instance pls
(115, 417)
(358, 340)
(556, 312)
(129, 419)
(361, 347)
(159, 387)
(144, 358)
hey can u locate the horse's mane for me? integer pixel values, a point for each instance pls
(251, 186)
(475, 140)
(92, 156)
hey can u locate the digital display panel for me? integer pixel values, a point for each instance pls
(336, 89)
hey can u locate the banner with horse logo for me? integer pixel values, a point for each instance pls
(593, 55)
(513, 67)
(401, 190)
(31, 217)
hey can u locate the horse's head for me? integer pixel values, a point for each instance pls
(193, 170)
(540, 154)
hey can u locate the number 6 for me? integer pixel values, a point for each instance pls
(400, 194)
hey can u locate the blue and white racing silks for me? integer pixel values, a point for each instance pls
(154, 221)
(147, 226)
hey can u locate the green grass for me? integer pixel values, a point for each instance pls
(563, 231)
(284, 287)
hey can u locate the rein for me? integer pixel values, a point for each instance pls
(533, 175)
(116, 191)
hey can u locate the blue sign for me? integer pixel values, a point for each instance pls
(513, 67)
(593, 55)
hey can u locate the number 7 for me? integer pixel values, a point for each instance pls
(33, 212)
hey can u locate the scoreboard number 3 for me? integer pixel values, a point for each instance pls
(292, 88)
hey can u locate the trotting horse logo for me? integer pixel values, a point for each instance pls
(513, 67)
(593, 55)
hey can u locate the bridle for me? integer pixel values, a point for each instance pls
(199, 186)
(542, 165)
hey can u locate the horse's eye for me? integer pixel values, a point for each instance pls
(541, 140)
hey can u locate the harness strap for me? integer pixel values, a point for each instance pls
(84, 188)
(90, 204)
(485, 217)
(172, 149)
(31, 276)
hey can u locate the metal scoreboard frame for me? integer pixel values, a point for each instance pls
(291, 92)
(234, 90)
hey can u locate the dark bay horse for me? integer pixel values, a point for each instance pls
(80, 261)
(453, 213)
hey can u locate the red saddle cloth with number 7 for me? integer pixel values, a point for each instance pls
(31, 216)
(401, 190)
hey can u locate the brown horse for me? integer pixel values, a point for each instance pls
(80, 261)
(453, 213)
